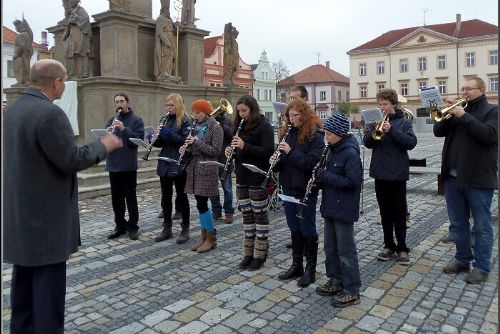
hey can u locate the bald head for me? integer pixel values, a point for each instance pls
(45, 71)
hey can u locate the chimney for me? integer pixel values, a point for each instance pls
(328, 64)
(43, 41)
(458, 25)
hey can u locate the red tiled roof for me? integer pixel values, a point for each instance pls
(469, 28)
(9, 37)
(314, 73)
(209, 45)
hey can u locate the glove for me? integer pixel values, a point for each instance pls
(149, 136)
(165, 131)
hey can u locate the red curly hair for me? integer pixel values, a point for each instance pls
(309, 121)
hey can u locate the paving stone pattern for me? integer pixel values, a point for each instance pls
(124, 286)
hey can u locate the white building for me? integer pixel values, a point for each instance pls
(264, 87)
(410, 59)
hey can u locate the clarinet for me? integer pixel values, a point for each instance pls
(117, 118)
(312, 181)
(230, 157)
(276, 156)
(181, 156)
(155, 135)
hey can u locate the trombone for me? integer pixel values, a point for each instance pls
(224, 106)
(441, 114)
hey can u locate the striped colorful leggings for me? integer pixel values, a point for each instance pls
(253, 205)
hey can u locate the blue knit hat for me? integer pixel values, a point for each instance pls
(337, 124)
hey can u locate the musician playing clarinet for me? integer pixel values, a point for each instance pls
(122, 167)
(202, 181)
(299, 154)
(253, 145)
(340, 179)
(170, 138)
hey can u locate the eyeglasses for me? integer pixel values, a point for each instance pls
(467, 89)
(170, 105)
(293, 115)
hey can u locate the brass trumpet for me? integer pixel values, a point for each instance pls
(378, 133)
(224, 106)
(440, 114)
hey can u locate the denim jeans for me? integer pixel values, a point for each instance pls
(461, 203)
(307, 226)
(341, 261)
(227, 187)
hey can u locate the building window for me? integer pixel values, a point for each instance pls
(470, 59)
(404, 89)
(265, 92)
(323, 114)
(380, 67)
(362, 69)
(339, 97)
(258, 93)
(494, 57)
(494, 84)
(347, 96)
(442, 86)
(10, 69)
(322, 95)
(362, 91)
(403, 65)
(380, 87)
(422, 85)
(212, 84)
(422, 64)
(441, 62)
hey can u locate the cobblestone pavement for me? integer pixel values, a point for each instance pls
(125, 286)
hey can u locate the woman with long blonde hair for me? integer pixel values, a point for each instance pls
(171, 137)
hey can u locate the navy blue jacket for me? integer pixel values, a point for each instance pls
(341, 181)
(390, 160)
(170, 139)
(296, 167)
(124, 159)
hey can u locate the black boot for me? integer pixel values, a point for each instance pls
(184, 236)
(297, 268)
(311, 250)
(166, 233)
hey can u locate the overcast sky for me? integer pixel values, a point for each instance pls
(298, 32)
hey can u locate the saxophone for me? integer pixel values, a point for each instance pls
(312, 181)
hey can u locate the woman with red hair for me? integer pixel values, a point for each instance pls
(299, 154)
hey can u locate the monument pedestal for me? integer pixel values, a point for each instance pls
(191, 55)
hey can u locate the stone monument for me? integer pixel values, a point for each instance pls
(23, 51)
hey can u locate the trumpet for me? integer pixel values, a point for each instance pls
(312, 182)
(276, 156)
(163, 120)
(224, 106)
(230, 156)
(440, 114)
(378, 133)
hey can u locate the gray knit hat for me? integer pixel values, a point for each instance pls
(337, 124)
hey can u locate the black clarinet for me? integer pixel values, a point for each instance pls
(230, 157)
(155, 135)
(312, 181)
(183, 158)
(276, 156)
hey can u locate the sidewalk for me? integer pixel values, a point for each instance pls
(125, 286)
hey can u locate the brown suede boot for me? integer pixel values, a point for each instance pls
(210, 242)
(202, 240)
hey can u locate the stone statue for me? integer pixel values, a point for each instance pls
(77, 37)
(231, 54)
(23, 51)
(165, 46)
(120, 5)
(188, 12)
(67, 9)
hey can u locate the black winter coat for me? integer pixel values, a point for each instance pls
(259, 146)
(475, 133)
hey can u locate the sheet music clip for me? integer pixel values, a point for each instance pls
(138, 142)
(212, 163)
(254, 169)
(168, 160)
(100, 132)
